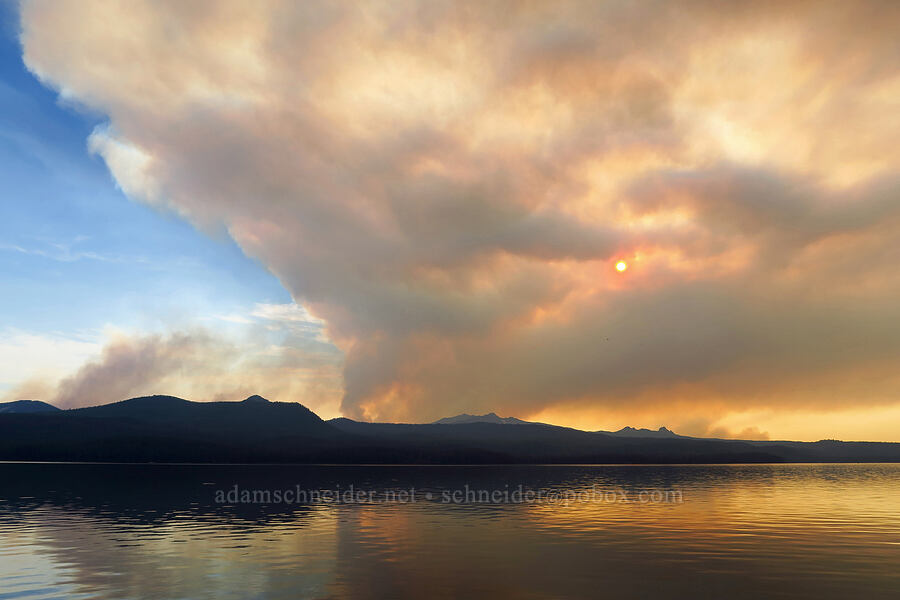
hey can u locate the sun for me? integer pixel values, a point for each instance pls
(621, 266)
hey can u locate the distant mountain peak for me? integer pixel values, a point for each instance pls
(490, 417)
(662, 432)
(26, 406)
(256, 399)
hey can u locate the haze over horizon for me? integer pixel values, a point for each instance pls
(587, 214)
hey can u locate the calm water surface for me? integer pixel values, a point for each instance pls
(160, 531)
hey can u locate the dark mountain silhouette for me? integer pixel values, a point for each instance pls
(255, 417)
(552, 444)
(26, 406)
(540, 443)
(488, 418)
(256, 399)
(466, 418)
(662, 432)
(169, 429)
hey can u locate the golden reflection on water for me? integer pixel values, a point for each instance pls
(813, 531)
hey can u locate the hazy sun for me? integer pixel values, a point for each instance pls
(621, 266)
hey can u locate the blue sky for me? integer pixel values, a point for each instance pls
(67, 232)
(81, 266)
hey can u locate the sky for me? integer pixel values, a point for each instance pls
(402, 210)
(85, 271)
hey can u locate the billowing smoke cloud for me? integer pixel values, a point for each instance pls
(448, 185)
(276, 350)
(199, 365)
(130, 367)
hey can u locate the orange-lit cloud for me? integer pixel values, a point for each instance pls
(448, 187)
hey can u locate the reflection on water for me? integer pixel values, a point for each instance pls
(156, 531)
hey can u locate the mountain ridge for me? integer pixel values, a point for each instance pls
(628, 431)
(171, 429)
(26, 406)
(490, 417)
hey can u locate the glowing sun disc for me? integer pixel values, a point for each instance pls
(621, 266)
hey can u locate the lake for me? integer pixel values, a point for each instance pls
(262, 531)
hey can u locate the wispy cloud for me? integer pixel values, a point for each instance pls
(67, 251)
(292, 313)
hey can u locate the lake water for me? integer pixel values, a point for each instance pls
(172, 531)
